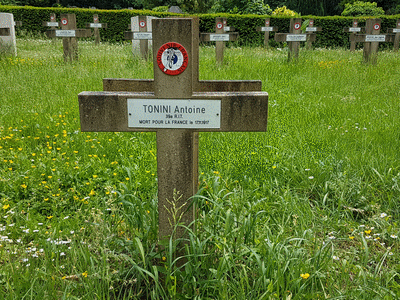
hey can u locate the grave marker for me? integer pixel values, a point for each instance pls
(69, 33)
(53, 24)
(310, 29)
(293, 38)
(173, 108)
(219, 37)
(396, 32)
(8, 43)
(267, 29)
(371, 39)
(353, 30)
(96, 25)
(140, 34)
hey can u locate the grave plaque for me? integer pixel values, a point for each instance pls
(172, 98)
(69, 33)
(96, 26)
(219, 37)
(8, 43)
(267, 29)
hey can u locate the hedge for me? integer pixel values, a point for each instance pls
(332, 35)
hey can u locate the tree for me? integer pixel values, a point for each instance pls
(359, 8)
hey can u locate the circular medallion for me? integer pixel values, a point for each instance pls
(142, 24)
(267, 23)
(64, 21)
(355, 23)
(172, 58)
(311, 23)
(377, 26)
(95, 19)
(219, 25)
(297, 26)
(52, 18)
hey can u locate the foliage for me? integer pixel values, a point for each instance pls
(284, 12)
(9, 2)
(161, 9)
(359, 8)
(257, 7)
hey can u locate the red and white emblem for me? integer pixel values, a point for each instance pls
(95, 19)
(266, 23)
(377, 26)
(297, 26)
(355, 23)
(219, 25)
(142, 24)
(172, 58)
(64, 21)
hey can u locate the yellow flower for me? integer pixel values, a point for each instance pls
(24, 186)
(127, 178)
(351, 237)
(305, 276)
(85, 274)
(367, 231)
(49, 217)
(6, 206)
(164, 258)
(95, 176)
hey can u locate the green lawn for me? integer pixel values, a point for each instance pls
(308, 209)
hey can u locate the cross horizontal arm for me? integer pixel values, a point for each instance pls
(147, 85)
(213, 37)
(79, 33)
(108, 111)
(361, 38)
(269, 28)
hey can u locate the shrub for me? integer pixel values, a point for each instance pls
(160, 9)
(284, 12)
(257, 7)
(360, 8)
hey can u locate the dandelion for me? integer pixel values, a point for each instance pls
(305, 276)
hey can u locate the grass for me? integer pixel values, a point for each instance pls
(307, 210)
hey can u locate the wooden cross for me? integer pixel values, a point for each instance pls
(69, 33)
(7, 34)
(267, 29)
(96, 25)
(293, 38)
(396, 32)
(219, 37)
(227, 28)
(371, 39)
(140, 32)
(173, 108)
(353, 30)
(310, 29)
(53, 24)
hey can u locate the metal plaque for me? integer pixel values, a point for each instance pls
(219, 37)
(65, 33)
(267, 28)
(142, 36)
(171, 113)
(311, 29)
(354, 29)
(95, 25)
(375, 38)
(296, 37)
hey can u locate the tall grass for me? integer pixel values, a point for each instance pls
(306, 210)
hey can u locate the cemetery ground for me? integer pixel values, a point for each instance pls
(307, 210)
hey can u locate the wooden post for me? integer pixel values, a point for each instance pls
(219, 37)
(371, 40)
(96, 26)
(353, 30)
(293, 38)
(69, 33)
(176, 113)
(53, 24)
(311, 30)
(267, 29)
(396, 32)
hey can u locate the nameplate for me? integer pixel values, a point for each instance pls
(65, 33)
(171, 113)
(267, 28)
(95, 25)
(296, 37)
(311, 29)
(354, 29)
(396, 30)
(52, 24)
(219, 37)
(142, 36)
(375, 38)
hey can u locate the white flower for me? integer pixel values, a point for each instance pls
(383, 215)
(335, 257)
(390, 253)
(393, 236)
(311, 177)
(72, 232)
